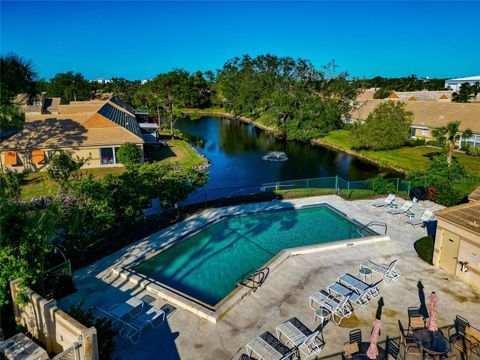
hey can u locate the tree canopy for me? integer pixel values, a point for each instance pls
(70, 86)
(386, 127)
(466, 92)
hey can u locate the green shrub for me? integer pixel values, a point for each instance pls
(424, 248)
(128, 154)
(434, 143)
(472, 150)
(417, 142)
(382, 186)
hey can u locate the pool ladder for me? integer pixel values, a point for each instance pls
(255, 280)
(372, 223)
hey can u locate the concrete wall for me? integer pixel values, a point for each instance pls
(52, 327)
(468, 250)
(93, 153)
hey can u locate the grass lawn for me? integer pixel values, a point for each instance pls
(407, 158)
(39, 184)
(175, 151)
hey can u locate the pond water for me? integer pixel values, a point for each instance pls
(236, 152)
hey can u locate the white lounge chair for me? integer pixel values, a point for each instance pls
(133, 329)
(360, 298)
(404, 209)
(298, 335)
(358, 285)
(388, 272)
(384, 202)
(118, 313)
(427, 216)
(339, 309)
(268, 347)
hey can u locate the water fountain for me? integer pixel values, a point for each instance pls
(275, 156)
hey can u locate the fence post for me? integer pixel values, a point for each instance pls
(408, 189)
(308, 183)
(336, 184)
(398, 184)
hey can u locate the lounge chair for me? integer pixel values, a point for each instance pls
(404, 209)
(119, 313)
(299, 336)
(358, 285)
(339, 309)
(267, 346)
(427, 216)
(384, 202)
(388, 272)
(360, 298)
(133, 329)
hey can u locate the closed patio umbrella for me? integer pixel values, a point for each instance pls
(432, 310)
(372, 351)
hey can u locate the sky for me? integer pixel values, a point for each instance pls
(138, 40)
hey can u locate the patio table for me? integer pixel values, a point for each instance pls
(21, 347)
(432, 342)
(263, 350)
(362, 355)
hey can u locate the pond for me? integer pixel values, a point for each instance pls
(236, 151)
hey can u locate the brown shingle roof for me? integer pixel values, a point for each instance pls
(475, 195)
(55, 133)
(466, 216)
(432, 114)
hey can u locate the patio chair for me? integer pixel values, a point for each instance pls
(299, 336)
(133, 329)
(473, 336)
(415, 319)
(338, 309)
(355, 335)
(392, 349)
(384, 202)
(360, 298)
(404, 209)
(358, 285)
(427, 216)
(408, 341)
(119, 312)
(350, 349)
(456, 335)
(387, 272)
(267, 346)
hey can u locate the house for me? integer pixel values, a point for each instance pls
(457, 243)
(95, 135)
(454, 84)
(424, 95)
(429, 115)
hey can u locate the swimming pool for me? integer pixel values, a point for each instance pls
(209, 264)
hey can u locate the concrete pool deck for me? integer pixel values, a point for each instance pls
(286, 291)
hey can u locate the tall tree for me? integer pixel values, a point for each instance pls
(465, 93)
(386, 127)
(16, 77)
(122, 88)
(449, 135)
(167, 93)
(70, 86)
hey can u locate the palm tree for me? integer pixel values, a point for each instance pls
(448, 135)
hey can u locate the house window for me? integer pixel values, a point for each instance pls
(116, 158)
(38, 156)
(11, 158)
(425, 132)
(107, 156)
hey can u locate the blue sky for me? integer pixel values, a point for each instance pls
(138, 40)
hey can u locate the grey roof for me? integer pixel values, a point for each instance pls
(120, 103)
(121, 118)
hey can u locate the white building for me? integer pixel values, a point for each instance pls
(454, 84)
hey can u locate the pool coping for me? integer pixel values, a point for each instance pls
(215, 313)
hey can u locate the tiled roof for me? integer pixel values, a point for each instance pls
(431, 114)
(120, 103)
(475, 195)
(467, 216)
(119, 117)
(422, 95)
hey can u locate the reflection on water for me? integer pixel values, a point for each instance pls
(235, 151)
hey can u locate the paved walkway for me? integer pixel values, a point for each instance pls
(285, 293)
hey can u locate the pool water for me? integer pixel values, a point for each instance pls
(209, 264)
